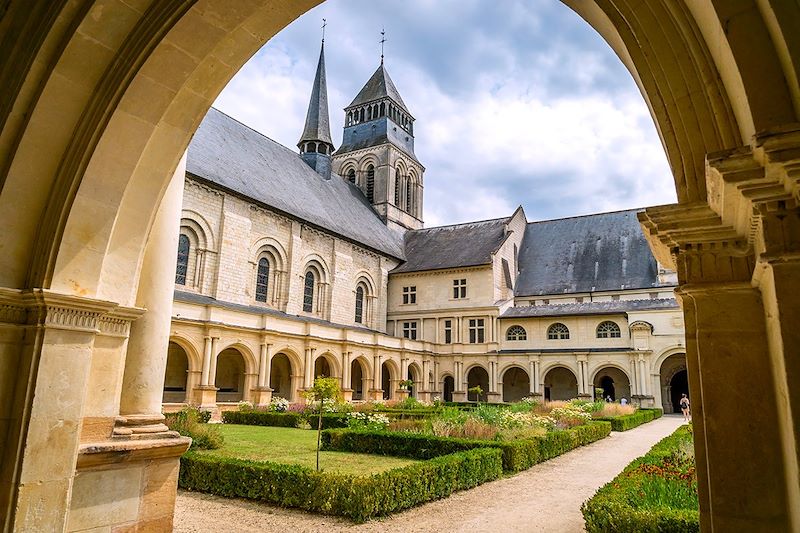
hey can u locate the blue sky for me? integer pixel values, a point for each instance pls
(524, 105)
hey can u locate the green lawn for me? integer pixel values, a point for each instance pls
(297, 446)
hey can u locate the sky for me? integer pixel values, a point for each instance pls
(525, 105)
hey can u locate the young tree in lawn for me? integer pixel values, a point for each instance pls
(323, 389)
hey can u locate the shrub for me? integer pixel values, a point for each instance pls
(656, 492)
(626, 422)
(357, 497)
(614, 409)
(408, 424)
(187, 423)
(517, 454)
(278, 404)
(369, 421)
(262, 418)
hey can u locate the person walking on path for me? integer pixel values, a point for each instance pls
(685, 407)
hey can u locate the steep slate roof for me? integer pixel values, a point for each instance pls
(590, 253)
(378, 86)
(317, 126)
(228, 154)
(459, 245)
(590, 308)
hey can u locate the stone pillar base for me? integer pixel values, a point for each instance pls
(494, 397)
(425, 396)
(375, 394)
(347, 395)
(401, 394)
(459, 396)
(262, 397)
(206, 397)
(585, 396)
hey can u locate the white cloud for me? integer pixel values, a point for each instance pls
(562, 130)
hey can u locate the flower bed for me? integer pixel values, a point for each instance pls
(357, 497)
(656, 492)
(517, 454)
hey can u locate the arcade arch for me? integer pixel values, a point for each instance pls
(673, 378)
(176, 377)
(280, 378)
(229, 376)
(560, 383)
(359, 378)
(516, 384)
(477, 376)
(614, 382)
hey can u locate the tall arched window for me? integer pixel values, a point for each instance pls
(558, 331)
(262, 280)
(410, 196)
(371, 184)
(308, 292)
(398, 179)
(516, 333)
(351, 175)
(608, 330)
(360, 305)
(183, 259)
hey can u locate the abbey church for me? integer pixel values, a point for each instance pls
(292, 266)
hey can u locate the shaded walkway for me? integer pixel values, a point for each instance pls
(545, 498)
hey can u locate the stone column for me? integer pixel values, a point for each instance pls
(263, 390)
(376, 393)
(347, 390)
(212, 378)
(436, 374)
(532, 384)
(146, 358)
(634, 376)
(206, 372)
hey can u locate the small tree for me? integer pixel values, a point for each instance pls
(477, 391)
(323, 389)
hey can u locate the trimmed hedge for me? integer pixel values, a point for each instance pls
(657, 411)
(357, 497)
(626, 422)
(610, 509)
(517, 454)
(284, 420)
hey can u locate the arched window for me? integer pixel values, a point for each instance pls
(308, 292)
(398, 179)
(516, 333)
(410, 196)
(558, 331)
(371, 184)
(351, 175)
(608, 330)
(183, 259)
(360, 305)
(262, 280)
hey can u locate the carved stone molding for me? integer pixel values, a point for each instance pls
(118, 322)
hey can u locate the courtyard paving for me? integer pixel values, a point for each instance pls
(547, 497)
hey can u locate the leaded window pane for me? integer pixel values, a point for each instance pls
(262, 280)
(558, 331)
(308, 292)
(516, 333)
(360, 305)
(608, 330)
(183, 260)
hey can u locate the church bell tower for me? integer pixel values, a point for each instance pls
(377, 152)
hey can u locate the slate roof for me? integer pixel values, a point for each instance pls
(380, 85)
(459, 245)
(590, 308)
(601, 252)
(317, 126)
(230, 155)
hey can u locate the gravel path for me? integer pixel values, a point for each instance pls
(546, 497)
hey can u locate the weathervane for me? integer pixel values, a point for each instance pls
(383, 40)
(324, 23)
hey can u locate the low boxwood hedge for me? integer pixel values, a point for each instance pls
(357, 497)
(517, 454)
(657, 411)
(626, 422)
(616, 507)
(287, 420)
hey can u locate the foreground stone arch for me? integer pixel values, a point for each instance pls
(100, 99)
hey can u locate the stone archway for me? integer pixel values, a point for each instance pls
(87, 149)
(516, 384)
(477, 376)
(448, 386)
(415, 375)
(670, 368)
(560, 383)
(388, 380)
(614, 382)
(280, 378)
(358, 379)
(176, 376)
(322, 368)
(230, 376)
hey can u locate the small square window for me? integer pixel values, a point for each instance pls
(410, 295)
(410, 330)
(459, 288)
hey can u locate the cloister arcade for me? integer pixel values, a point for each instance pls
(100, 100)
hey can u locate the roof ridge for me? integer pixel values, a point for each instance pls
(588, 215)
(464, 223)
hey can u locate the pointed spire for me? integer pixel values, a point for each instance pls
(317, 126)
